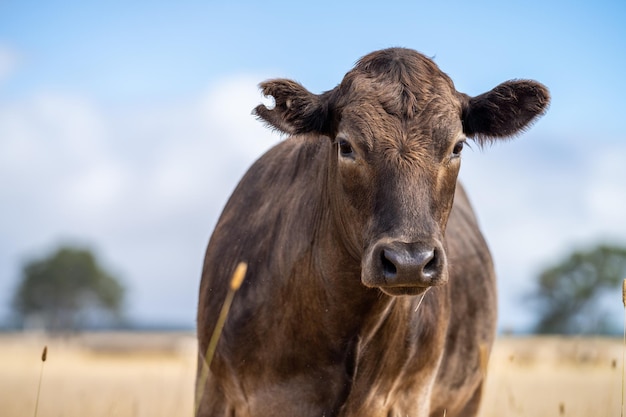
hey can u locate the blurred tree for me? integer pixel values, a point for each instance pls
(68, 290)
(572, 295)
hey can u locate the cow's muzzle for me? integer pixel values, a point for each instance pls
(401, 268)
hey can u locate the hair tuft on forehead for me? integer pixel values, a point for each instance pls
(403, 80)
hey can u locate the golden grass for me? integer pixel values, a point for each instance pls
(44, 355)
(136, 375)
(553, 376)
(99, 375)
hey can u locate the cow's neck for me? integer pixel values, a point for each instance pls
(370, 328)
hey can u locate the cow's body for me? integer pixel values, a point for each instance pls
(327, 323)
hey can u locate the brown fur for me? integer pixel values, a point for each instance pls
(347, 227)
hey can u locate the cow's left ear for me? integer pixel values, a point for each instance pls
(504, 111)
(296, 109)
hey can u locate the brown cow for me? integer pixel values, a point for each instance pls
(344, 311)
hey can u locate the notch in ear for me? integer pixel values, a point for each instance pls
(504, 111)
(296, 109)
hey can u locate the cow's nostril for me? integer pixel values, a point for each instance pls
(389, 268)
(432, 266)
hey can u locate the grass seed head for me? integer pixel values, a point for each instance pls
(238, 276)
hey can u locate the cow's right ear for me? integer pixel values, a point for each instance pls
(296, 109)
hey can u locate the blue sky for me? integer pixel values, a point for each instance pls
(125, 127)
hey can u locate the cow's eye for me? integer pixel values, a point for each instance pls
(458, 148)
(345, 149)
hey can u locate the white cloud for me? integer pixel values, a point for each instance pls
(8, 63)
(145, 184)
(605, 191)
(48, 143)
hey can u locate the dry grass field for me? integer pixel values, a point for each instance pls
(137, 374)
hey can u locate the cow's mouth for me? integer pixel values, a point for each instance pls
(398, 291)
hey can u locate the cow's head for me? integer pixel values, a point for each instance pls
(398, 127)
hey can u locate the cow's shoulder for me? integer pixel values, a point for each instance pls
(269, 218)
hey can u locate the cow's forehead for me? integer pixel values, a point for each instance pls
(433, 95)
(400, 102)
(369, 119)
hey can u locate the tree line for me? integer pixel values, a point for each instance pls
(68, 289)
